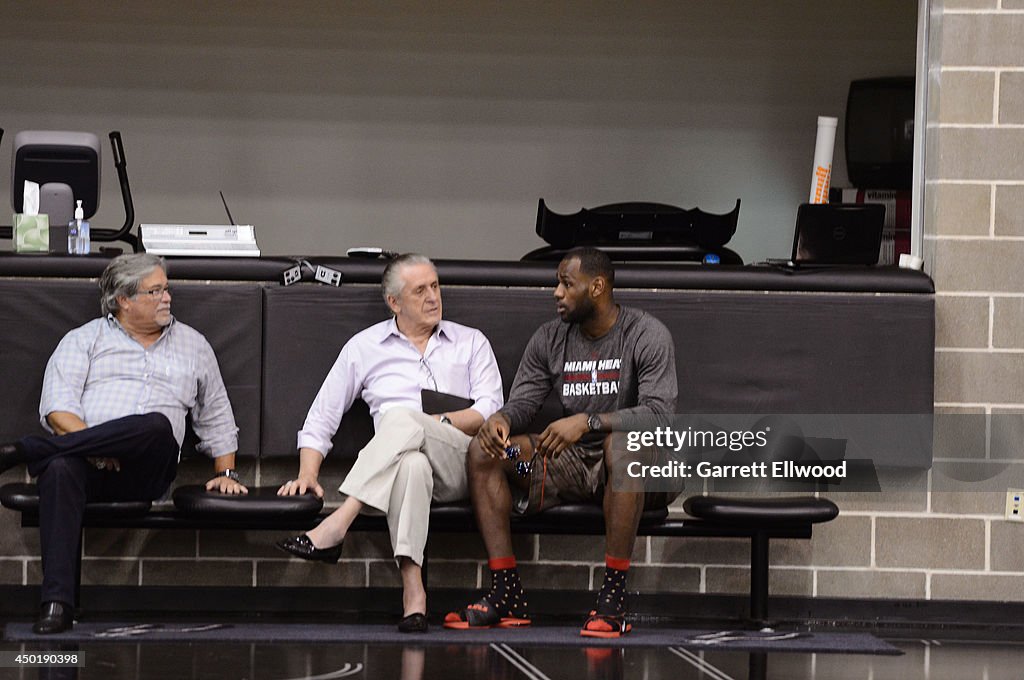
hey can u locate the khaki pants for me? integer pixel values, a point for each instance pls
(411, 460)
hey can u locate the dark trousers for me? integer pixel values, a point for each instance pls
(148, 453)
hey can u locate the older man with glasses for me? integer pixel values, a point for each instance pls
(115, 395)
(413, 457)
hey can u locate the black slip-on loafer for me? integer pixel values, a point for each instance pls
(11, 455)
(301, 546)
(413, 623)
(54, 617)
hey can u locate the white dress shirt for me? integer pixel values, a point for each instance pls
(384, 368)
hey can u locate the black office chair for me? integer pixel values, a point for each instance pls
(638, 232)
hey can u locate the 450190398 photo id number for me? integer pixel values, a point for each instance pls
(39, 659)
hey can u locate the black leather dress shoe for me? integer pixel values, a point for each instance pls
(11, 455)
(54, 617)
(301, 546)
(413, 623)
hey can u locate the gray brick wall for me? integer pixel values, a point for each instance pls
(973, 224)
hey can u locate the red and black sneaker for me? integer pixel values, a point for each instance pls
(605, 626)
(482, 614)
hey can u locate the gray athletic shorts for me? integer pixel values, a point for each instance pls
(577, 475)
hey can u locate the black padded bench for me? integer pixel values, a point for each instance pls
(757, 519)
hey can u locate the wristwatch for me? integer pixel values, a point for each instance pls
(445, 419)
(229, 473)
(594, 423)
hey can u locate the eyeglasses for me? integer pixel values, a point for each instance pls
(154, 294)
(430, 373)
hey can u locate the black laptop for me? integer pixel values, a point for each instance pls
(837, 234)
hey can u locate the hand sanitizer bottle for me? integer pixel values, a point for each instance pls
(73, 230)
(78, 233)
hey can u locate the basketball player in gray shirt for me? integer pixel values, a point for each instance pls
(609, 364)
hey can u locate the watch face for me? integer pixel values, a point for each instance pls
(594, 423)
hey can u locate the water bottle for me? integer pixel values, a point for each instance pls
(84, 245)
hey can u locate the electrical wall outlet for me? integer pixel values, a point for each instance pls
(327, 275)
(291, 275)
(1015, 505)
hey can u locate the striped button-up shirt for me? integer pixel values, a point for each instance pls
(98, 372)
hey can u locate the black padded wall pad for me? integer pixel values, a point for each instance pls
(306, 327)
(814, 344)
(231, 318)
(34, 316)
(798, 353)
(745, 353)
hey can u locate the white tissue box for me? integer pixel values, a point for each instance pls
(31, 233)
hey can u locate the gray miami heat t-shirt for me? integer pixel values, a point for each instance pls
(630, 371)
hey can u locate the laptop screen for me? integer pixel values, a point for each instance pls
(838, 234)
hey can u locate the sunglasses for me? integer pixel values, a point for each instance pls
(523, 467)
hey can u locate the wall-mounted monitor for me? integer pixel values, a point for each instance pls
(880, 133)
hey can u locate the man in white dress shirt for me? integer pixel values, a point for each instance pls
(413, 457)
